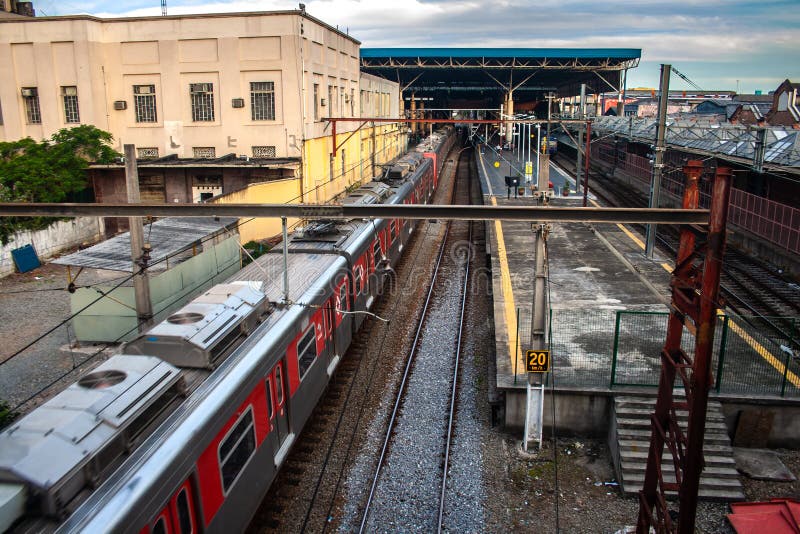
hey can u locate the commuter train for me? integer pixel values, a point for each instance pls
(186, 428)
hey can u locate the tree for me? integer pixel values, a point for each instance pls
(48, 171)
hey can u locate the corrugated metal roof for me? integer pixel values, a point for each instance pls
(782, 144)
(593, 53)
(167, 237)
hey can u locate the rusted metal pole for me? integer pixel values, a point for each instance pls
(586, 169)
(139, 249)
(651, 497)
(704, 346)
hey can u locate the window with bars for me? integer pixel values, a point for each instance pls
(263, 151)
(147, 152)
(32, 112)
(262, 101)
(144, 103)
(70, 96)
(202, 96)
(204, 152)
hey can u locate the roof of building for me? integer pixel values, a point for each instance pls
(471, 73)
(84, 16)
(167, 237)
(754, 98)
(734, 141)
(228, 160)
(553, 53)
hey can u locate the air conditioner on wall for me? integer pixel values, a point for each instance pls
(323, 102)
(201, 87)
(119, 105)
(69, 91)
(28, 92)
(237, 102)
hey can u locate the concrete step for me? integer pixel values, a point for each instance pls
(651, 401)
(710, 459)
(628, 412)
(644, 434)
(707, 483)
(628, 422)
(724, 495)
(708, 448)
(714, 471)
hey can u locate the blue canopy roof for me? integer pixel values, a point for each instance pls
(587, 53)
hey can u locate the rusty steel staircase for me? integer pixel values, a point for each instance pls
(676, 456)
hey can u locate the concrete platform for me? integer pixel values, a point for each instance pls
(593, 273)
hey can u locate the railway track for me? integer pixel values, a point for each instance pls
(308, 496)
(766, 300)
(430, 362)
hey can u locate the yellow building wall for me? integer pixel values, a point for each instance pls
(352, 167)
(275, 192)
(353, 163)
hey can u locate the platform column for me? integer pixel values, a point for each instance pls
(413, 114)
(510, 114)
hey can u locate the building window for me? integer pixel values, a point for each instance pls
(236, 449)
(144, 103)
(206, 152)
(330, 101)
(263, 151)
(316, 102)
(70, 96)
(148, 152)
(341, 102)
(306, 351)
(202, 95)
(32, 112)
(262, 101)
(352, 102)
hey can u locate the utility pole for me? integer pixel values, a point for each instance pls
(140, 251)
(578, 160)
(658, 163)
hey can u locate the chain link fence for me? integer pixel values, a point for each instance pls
(622, 348)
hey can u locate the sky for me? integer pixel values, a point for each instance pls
(736, 45)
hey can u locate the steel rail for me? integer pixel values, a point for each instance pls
(336, 211)
(451, 415)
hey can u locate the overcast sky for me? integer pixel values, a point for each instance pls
(716, 43)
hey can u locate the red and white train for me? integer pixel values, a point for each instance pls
(186, 428)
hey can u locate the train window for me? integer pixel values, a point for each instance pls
(376, 251)
(161, 526)
(307, 350)
(236, 449)
(185, 522)
(279, 383)
(359, 279)
(270, 407)
(341, 305)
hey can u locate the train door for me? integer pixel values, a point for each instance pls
(281, 413)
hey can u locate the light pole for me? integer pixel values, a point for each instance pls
(538, 150)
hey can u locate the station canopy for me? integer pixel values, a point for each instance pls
(444, 75)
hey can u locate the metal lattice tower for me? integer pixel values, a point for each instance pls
(163, 8)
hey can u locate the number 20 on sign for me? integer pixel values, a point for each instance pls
(538, 361)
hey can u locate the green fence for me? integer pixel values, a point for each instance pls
(622, 348)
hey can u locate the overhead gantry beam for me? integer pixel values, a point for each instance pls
(384, 211)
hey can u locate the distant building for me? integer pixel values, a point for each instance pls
(785, 105)
(218, 100)
(14, 8)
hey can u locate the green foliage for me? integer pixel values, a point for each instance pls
(48, 171)
(255, 249)
(6, 415)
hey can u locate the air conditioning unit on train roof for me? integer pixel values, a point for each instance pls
(85, 428)
(208, 328)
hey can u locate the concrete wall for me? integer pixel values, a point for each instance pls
(114, 319)
(578, 413)
(105, 58)
(785, 431)
(590, 413)
(59, 236)
(277, 192)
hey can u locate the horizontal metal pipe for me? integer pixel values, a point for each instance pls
(452, 121)
(334, 211)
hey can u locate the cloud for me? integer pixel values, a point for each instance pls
(720, 40)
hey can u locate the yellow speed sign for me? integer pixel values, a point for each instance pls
(538, 361)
